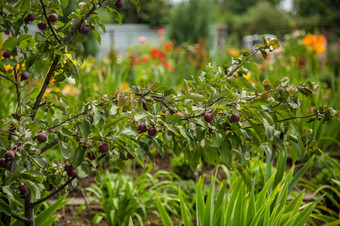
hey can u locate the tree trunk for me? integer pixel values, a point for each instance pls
(29, 209)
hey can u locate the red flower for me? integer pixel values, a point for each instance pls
(167, 65)
(168, 46)
(161, 31)
(145, 59)
(157, 54)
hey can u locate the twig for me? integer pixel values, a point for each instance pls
(46, 83)
(55, 192)
(49, 23)
(66, 120)
(296, 117)
(20, 218)
(261, 94)
(8, 78)
(48, 146)
(17, 86)
(239, 65)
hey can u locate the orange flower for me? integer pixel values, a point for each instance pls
(125, 85)
(315, 42)
(157, 54)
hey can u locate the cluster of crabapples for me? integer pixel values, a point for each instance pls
(208, 117)
(9, 157)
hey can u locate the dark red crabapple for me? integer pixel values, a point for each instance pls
(3, 163)
(152, 131)
(23, 190)
(9, 155)
(91, 155)
(208, 117)
(42, 25)
(6, 54)
(29, 17)
(53, 17)
(103, 148)
(41, 137)
(235, 117)
(68, 167)
(119, 4)
(71, 173)
(84, 29)
(24, 76)
(142, 128)
(129, 156)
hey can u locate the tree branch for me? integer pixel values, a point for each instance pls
(76, 27)
(8, 78)
(296, 117)
(66, 120)
(55, 192)
(49, 23)
(17, 85)
(20, 218)
(48, 146)
(46, 83)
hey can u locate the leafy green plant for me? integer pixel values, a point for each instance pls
(123, 198)
(217, 116)
(236, 205)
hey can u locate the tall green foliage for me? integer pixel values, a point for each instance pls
(190, 21)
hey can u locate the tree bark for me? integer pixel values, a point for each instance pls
(29, 209)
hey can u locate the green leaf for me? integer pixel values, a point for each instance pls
(4, 208)
(45, 215)
(137, 4)
(85, 127)
(255, 69)
(39, 161)
(65, 150)
(217, 139)
(226, 151)
(12, 42)
(184, 211)
(64, 3)
(83, 171)
(162, 212)
(8, 191)
(97, 35)
(33, 188)
(299, 174)
(78, 156)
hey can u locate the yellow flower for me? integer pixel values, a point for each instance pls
(233, 52)
(125, 85)
(248, 77)
(70, 90)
